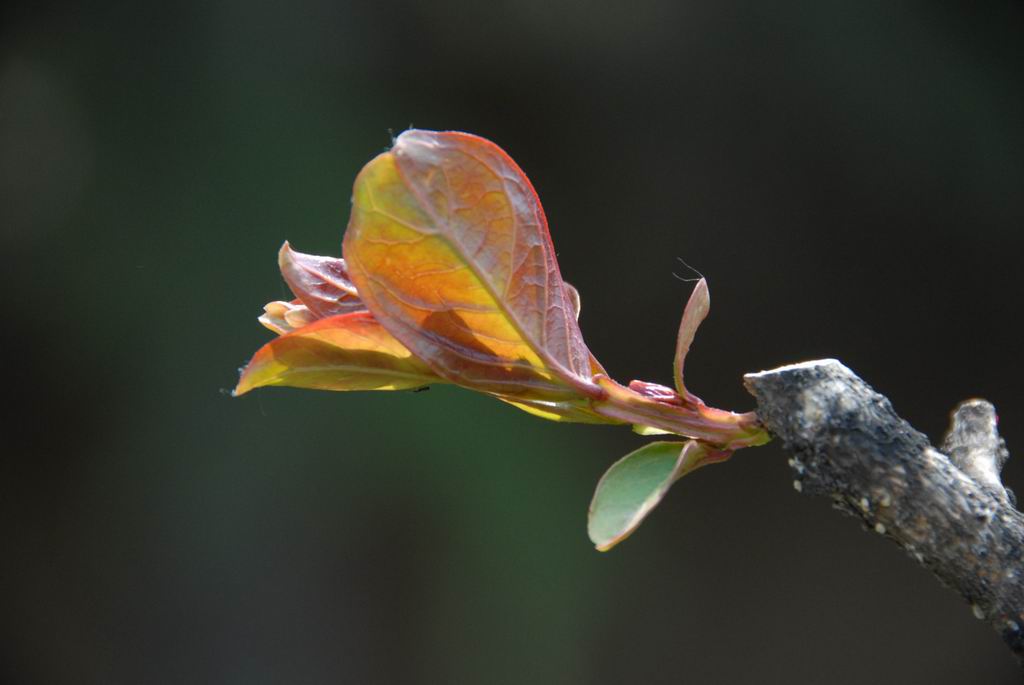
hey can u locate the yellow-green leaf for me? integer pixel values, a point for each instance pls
(344, 352)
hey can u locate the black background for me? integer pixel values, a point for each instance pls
(847, 175)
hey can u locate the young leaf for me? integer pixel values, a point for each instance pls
(285, 317)
(697, 308)
(321, 283)
(344, 352)
(449, 248)
(635, 484)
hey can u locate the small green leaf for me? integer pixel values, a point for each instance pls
(635, 484)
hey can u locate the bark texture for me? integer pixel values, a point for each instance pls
(950, 513)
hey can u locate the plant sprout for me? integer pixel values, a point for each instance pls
(449, 275)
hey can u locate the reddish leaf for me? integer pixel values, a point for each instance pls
(697, 308)
(321, 283)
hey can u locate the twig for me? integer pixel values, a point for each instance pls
(950, 513)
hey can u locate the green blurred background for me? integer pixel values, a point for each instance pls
(849, 177)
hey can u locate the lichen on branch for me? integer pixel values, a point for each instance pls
(952, 515)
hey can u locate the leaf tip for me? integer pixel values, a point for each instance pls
(284, 255)
(244, 383)
(606, 545)
(253, 375)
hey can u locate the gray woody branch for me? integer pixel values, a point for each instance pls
(950, 513)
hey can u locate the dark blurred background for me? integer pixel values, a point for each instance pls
(849, 176)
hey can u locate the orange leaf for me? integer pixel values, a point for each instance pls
(449, 248)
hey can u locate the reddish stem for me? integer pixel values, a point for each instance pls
(685, 416)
